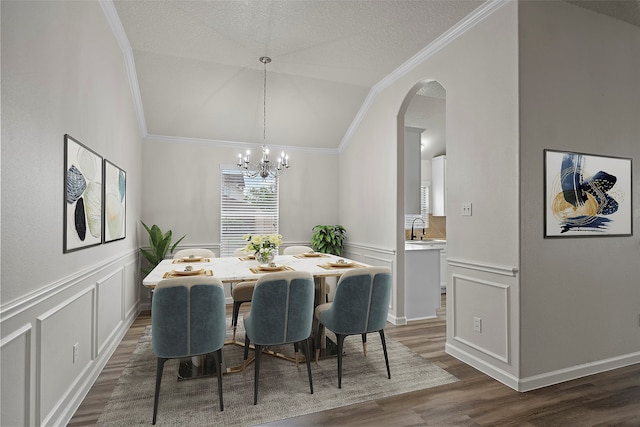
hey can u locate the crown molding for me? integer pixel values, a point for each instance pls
(431, 49)
(453, 33)
(236, 144)
(113, 19)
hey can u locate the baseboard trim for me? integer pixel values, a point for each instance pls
(578, 371)
(501, 375)
(548, 378)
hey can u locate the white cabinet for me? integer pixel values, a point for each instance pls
(438, 186)
(412, 170)
(421, 281)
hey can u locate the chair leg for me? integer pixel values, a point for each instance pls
(257, 375)
(246, 346)
(341, 338)
(296, 349)
(364, 344)
(318, 340)
(159, 369)
(384, 349)
(217, 357)
(307, 349)
(234, 317)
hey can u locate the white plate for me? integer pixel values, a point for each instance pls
(193, 258)
(267, 267)
(341, 264)
(183, 272)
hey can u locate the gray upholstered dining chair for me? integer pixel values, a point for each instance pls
(240, 292)
(187, 319)
(360, 306)
(298, 250)
(201, 252)
(281, 313)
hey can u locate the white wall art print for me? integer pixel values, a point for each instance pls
(587, 195)
(115, 202)
(82, 196)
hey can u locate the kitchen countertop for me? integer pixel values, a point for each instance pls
(423, 245)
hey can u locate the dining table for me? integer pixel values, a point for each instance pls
(236, 269)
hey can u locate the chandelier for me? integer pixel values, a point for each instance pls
(264, 166)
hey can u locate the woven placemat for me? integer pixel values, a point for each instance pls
(312, 256)
(171, 274)
(179, 261)
(331, 267)
(257, 270)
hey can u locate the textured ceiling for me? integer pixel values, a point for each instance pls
(199, 76)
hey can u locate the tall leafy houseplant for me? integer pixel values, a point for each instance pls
(328, 239)
(160, 244)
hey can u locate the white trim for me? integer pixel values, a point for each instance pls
(369, 248)
(17, 306)
(26, 331)
(577, 371)
(40, 320)
(442, 41)
(501, 375)
(480, 266)
(546, 379)
(432, 48)
(238, 145)
(506, 357)
(99, 286)
(113, 19)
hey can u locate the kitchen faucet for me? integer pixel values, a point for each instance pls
(413, 236)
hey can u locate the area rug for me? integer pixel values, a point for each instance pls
(283, 388)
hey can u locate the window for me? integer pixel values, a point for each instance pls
(424, 210)
(247, 205)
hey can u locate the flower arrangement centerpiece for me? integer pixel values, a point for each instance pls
(265, 247)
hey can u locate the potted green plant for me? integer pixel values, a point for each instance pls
(328, 239)
(160, 244)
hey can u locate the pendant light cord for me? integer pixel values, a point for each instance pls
(265, 60)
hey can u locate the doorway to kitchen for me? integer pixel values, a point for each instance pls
(423, 173)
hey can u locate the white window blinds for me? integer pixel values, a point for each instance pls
(247, 205)
(424, 210)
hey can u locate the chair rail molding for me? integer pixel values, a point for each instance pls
(481, 266)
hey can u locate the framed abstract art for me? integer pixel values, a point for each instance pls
(82, 196)
(587, 195)
(115, 202)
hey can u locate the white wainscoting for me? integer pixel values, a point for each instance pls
(491, 301)
(488, 292)
(43, 381)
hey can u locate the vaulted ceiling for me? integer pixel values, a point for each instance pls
(198, 73)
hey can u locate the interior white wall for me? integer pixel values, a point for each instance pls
(62, 72)
(56, 82)
(181, 191)
(579, 91)
(482, 167)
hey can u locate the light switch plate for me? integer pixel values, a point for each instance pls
(466, 209)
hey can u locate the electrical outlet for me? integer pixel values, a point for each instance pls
(466, 209)
(76, 349)
(477, 324)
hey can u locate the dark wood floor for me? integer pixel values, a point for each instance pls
(607, 399)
